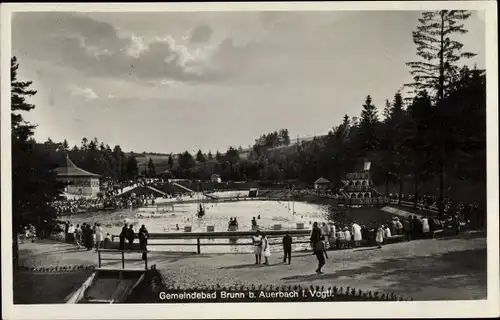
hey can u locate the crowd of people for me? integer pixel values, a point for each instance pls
(336, 235)
(471, 214)
(87, 236)
(92, 236)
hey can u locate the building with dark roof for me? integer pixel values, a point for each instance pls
(78, 181)
(322, 184)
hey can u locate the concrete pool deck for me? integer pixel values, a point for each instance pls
(434, 269)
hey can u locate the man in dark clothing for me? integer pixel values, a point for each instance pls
(66, 228)
(315, 236)
(417, 228)
(89, 240)
(130, 237)
(123, 235)
(287, 248)
(407, 227)
(143, 240)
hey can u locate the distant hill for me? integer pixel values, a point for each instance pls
(160, 160)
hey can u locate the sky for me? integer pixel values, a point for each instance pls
(170, 82)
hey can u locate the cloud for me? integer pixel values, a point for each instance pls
(86, 93)
(95, 48)
(201, 34)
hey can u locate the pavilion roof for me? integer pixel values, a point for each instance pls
(71, 170)
(321, 181)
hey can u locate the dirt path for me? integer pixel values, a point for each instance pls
(453, 268)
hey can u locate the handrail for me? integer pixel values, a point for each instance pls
(222, 234)
(122, 252)
(212, 235)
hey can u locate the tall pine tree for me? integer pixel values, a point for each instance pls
(34, 178)
(367, 135)
(438, 66)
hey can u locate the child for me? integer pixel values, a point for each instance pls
(320, 254)
(107, 240)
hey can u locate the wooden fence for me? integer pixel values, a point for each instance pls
(231, 235)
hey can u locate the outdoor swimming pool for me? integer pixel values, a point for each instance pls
(160, 218)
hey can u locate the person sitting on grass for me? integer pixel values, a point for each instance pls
(321, 254)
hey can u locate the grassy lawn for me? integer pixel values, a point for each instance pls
(46, 287)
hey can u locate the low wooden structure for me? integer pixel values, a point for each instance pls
(233, 235)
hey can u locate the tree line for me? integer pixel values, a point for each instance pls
(436, 130)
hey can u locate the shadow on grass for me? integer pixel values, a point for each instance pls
(46, 287)
(406, 276)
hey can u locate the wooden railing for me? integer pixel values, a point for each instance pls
(431, 208)
(122, 259)
(233, 235)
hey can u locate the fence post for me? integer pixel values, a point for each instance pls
(198, 245)
(123, 259)
(146, 260)
(99, 257)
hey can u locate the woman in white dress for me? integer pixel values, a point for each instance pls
(257, 246)
(98, 236)
(425, 227)
(379, 238)
(356, 231)
(266, 249)
(325, 232)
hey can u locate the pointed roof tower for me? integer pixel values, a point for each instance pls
(71, 170)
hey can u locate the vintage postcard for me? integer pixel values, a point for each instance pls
(249, 160)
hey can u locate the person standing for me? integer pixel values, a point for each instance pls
(266, 249)
(320, 252)
(348, 237)
(425, 227)
(332, 237)
(287, 248)
(98, 236)
(356, 231)
(143, 241)
(71, 233)
(84, 234)
(123, 235)
(315, 235)
(78, 236)
(407, 228)
(325, 231)
(417, 223)
(130, 237)
(379, 238)
(257, 246)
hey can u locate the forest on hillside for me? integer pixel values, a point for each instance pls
(430, 139)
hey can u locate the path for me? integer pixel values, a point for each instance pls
(452, 268)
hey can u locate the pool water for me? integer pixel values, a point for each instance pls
(163, 218)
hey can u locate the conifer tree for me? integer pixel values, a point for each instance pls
(438, 67)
